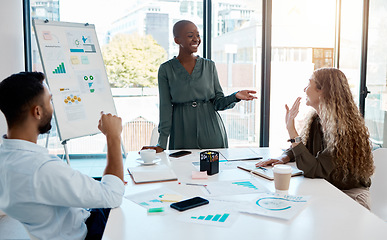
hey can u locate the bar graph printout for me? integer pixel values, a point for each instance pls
(235, 187)
(276, 205)
(153, 198)
(216, 213)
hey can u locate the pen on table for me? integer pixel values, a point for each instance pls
(196, 184)
(205, 186)
(264, 169)
(247, 159)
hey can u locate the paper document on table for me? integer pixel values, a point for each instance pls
(154, 173)
(265, 172)
(276, 205)
(239, 154)
(154, 198)
(215, 214)
(234, 187)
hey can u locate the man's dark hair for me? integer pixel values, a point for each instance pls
(18, 93)
(178, 26)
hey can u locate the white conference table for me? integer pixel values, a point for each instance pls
(330, 214)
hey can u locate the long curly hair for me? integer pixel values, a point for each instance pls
(345, 135)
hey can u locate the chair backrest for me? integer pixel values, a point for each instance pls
(155, 137)
(136, 133)
(378, 189)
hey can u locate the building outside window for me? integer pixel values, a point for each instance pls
(303, 39)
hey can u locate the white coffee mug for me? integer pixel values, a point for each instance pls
(148, 155)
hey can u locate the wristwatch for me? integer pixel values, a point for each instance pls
(295, 140)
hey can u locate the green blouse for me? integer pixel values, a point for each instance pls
(189, 105)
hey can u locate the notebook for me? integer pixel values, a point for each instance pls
(150, 174)
(267, 172)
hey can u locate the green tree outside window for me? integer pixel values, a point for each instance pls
(133, 60)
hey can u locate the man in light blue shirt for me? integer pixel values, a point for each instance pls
(46, 195)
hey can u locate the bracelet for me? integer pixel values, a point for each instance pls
(295, 140)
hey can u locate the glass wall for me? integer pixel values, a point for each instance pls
(236, 51)
(350, 43)
(135, 38)
(303, 39)
(376, 102)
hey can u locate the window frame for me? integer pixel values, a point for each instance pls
(266, 54)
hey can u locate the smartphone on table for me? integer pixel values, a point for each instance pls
(189, 203)
(180, 153)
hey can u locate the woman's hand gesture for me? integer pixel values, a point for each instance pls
(246, 95)
(291, 114)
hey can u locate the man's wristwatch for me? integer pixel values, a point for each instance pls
(295, 140)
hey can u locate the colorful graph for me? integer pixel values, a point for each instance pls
(214, 218)
(76, 50)
(90, 84)
(72, 99)
(247, 184)
(60, 69)
(149, 202)
(279, 203)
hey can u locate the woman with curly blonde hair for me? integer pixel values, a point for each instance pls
(334, 143)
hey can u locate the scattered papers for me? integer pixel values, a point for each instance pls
(216, 213)
(239, 154)
(234, 187)
(154, 198)
(276, 205)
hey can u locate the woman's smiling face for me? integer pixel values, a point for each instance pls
(189, 38)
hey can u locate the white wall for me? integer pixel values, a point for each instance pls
(11, 44)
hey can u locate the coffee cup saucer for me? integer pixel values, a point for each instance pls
(141, 161)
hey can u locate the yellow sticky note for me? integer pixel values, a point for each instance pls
(171, 198)
(74, 60)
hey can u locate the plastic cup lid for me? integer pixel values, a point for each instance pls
(282, 168)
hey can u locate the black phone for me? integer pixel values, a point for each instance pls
(179, 153)
(189, 203)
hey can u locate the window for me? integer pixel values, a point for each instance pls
(236, 51)
(138, 29)
(376, 102)
(303, 39)
(350, 43)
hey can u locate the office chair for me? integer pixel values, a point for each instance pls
(378, 188)
(155, 137)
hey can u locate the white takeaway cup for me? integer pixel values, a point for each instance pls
(282, 175)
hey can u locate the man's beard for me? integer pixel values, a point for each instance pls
(45, 127)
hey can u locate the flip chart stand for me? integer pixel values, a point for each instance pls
(64, 143)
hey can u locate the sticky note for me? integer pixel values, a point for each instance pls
(155, 210)
(199, 175)
(171, 198)
(85, 60)
(74, 60)
(47, 35)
